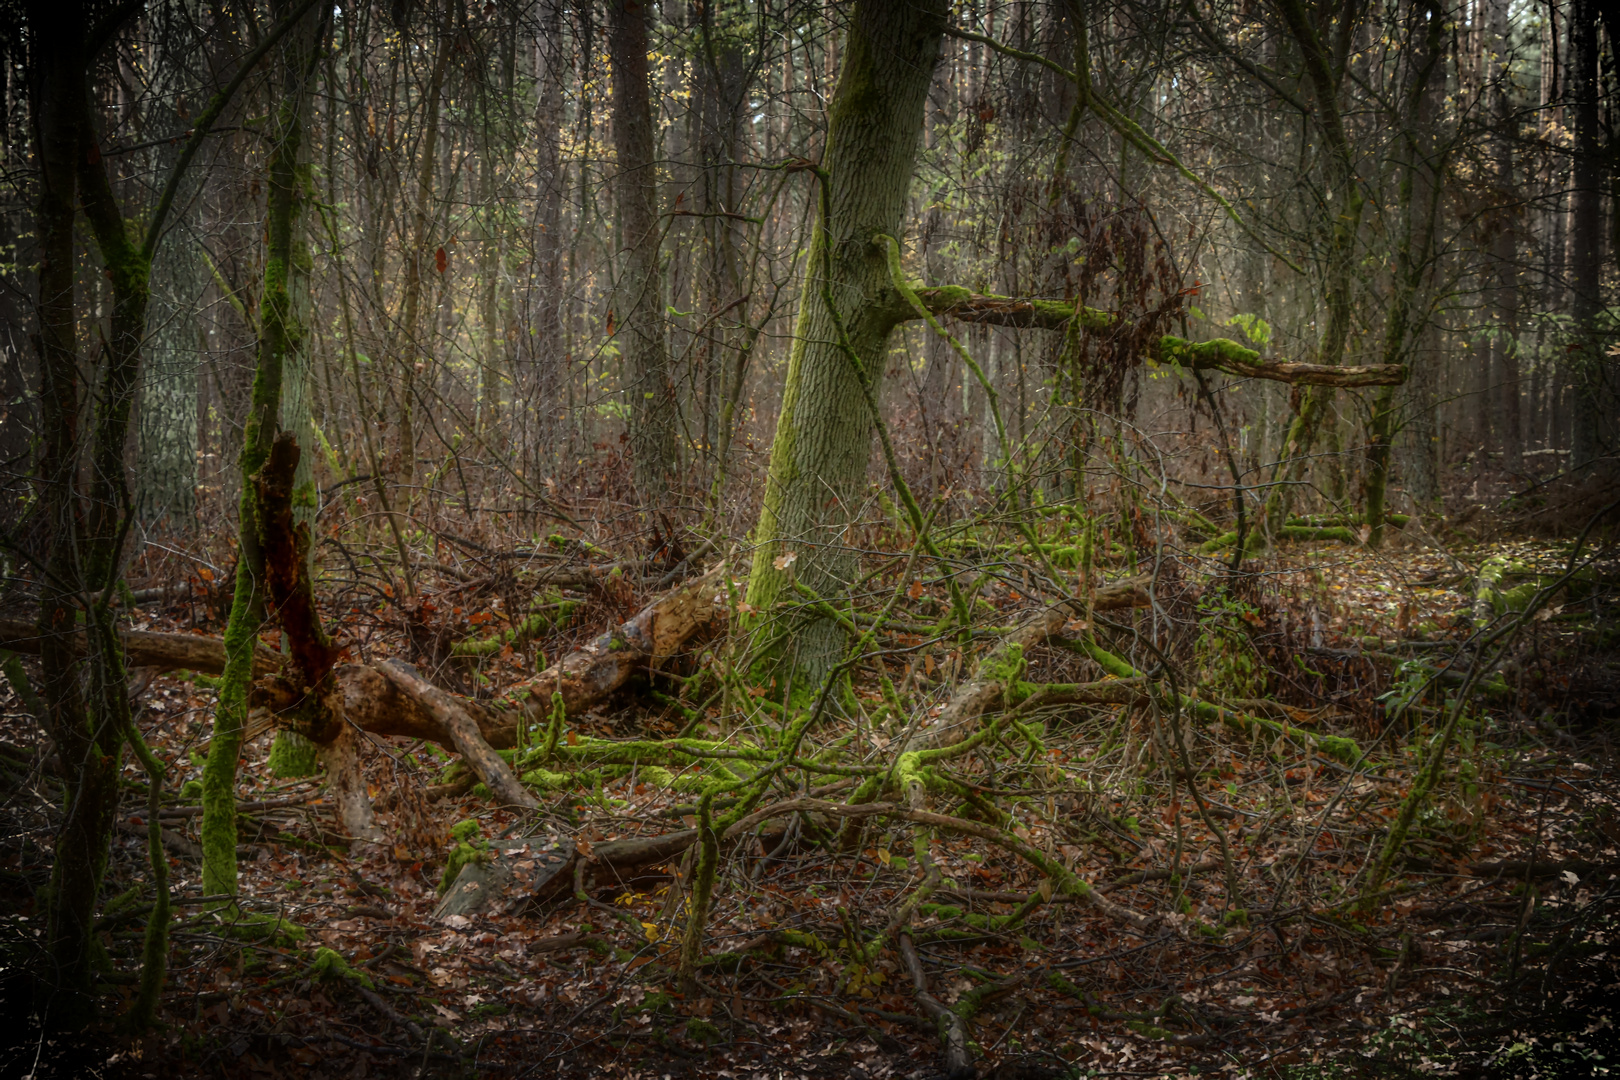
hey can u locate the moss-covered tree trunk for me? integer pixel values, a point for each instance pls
(824, 431)
(1323, 76)
(281, 351)
(639, 297)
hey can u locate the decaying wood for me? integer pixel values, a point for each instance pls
(384, 706)
(1122, 595)
(955, 722)
(656, 633)
(554, 866)
(286, 543)
(453, 717)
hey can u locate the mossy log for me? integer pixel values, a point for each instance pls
(1218, 354)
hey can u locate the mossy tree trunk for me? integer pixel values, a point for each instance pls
(639, 296)
(1323, 77)
(281, 351)
(848, 306)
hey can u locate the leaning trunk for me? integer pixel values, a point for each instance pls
(824, 430)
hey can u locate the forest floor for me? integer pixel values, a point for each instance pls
(1491, 956)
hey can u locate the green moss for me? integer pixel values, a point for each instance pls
(460, 856)
(554, 617)
(264, 930)
(328, 966)
(700, 1030)
(657, 776)
(292, 755)
(469, 849)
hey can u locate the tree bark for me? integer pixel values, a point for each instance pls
(1588, 366)
(639, 297)
(281, 341)
(847, 310)
(410, 347)
(1418, 208)
(1323, 76)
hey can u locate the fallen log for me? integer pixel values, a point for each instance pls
(656, 633)
(145, 649)
(464, 733)
(540, 868)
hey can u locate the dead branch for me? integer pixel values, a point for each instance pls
(463, 730)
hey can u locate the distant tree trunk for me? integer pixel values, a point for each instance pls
(280, 375)
(725, 351)
(1504, 248)
(824, 430)
(638, 304)
(168, 408)
(545, 349)
(410, 348)
(1419, 210)
(1323, 77)
(1588, 365)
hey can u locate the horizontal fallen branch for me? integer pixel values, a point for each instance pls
(1222, 354)
(1218, 354)
(145, 649)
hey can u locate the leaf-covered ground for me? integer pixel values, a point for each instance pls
(1489, 956)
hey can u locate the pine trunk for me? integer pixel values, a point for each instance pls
(1587, 362)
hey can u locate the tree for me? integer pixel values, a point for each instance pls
(280, 375)
(1589, 367)
(639, 295)
(847, 309)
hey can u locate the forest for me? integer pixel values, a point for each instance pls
(809, 538)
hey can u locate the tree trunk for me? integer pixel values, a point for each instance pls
(1592, 399)
(281, 354)
(639, 298)
(1323, 78)
(848, 307)
(87, 543)
(543, 348)
(410, 347)
(1419, 211)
